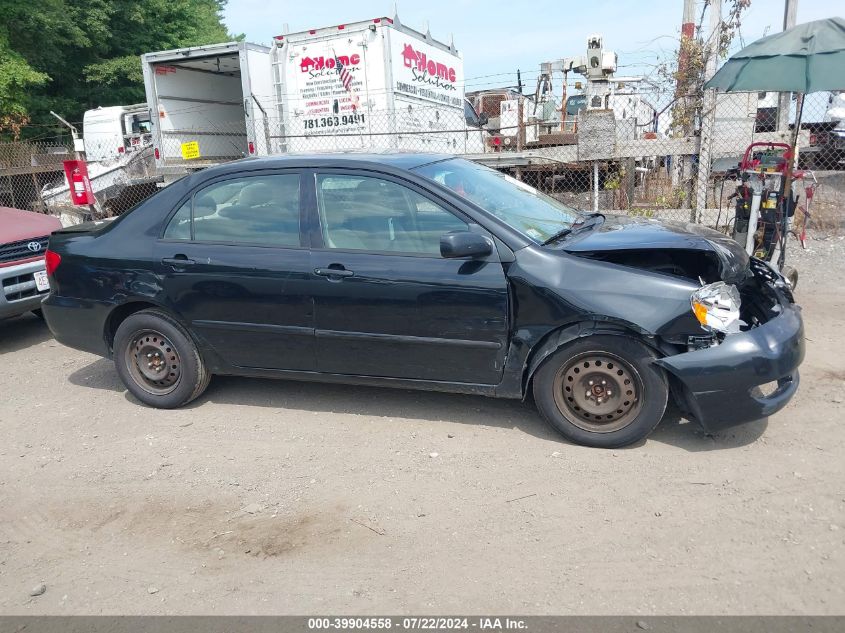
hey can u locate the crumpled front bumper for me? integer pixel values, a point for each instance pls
(719, 386)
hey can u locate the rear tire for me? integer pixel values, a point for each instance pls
(158, 361)
(602, 391)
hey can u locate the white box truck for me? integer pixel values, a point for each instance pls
(401, 89)
(208, 104)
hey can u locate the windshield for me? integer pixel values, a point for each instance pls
(520, 206)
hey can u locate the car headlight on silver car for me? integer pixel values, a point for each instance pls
(716, 306)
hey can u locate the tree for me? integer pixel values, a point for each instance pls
(17, 78)
(685, 75)
(689, 76)
(72, 55)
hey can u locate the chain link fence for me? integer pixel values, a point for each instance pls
(32, 178)
(633, 157)
(27, 168)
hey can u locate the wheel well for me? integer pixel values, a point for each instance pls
(119, 315)
(556, 339)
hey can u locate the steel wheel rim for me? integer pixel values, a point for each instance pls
(153, 362)
(598, 392)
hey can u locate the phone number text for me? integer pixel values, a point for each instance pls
(337, 120)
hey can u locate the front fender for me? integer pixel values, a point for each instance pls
(557, 298)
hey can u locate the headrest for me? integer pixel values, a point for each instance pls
(204, 205)
(256, 195)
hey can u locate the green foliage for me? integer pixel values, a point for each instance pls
(72, 55)
(17, 78)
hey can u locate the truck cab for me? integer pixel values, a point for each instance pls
(115, 130)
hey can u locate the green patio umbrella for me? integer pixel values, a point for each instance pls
(809, 57)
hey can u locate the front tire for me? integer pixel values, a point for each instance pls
(158, 361)
(602, 391)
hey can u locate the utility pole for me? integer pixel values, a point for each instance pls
(790, 16)
(687, 35)
(681, 164)
(708, 112)
(687, 30)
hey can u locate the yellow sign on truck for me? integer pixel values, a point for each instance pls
(190, 150)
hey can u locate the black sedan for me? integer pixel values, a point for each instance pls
(427, 272)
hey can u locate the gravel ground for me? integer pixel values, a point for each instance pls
(268, 497)
(821, 263)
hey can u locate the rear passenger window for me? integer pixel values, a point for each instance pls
(254, 210)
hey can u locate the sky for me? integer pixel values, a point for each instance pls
(496, 38)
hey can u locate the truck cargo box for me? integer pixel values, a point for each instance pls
(401, 89)
(208, 104)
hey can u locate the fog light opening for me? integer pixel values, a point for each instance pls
(767, 389)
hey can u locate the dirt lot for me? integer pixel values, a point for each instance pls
(279, 497)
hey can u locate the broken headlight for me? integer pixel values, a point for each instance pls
(716, 306)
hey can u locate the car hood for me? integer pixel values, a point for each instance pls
(621, 233)
(17, 225)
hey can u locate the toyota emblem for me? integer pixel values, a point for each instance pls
(34, 246)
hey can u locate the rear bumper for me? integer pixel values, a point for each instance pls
(78, 323)
(18, 293)
(720, 386)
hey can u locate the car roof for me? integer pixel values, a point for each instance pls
(396, 160)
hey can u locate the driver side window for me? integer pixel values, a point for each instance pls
(371, 214)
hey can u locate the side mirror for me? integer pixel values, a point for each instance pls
(483, 119)
(464, 244)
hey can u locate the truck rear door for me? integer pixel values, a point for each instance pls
(257, 84)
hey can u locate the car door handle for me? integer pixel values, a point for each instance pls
(178, 261)
(333, 272)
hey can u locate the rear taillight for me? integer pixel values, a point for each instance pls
(51, 261)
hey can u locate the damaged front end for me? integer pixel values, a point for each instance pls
(732, 357)
(726, 325)
(749, 368)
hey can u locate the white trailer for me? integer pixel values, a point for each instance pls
(405, 92)
(208, 104)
